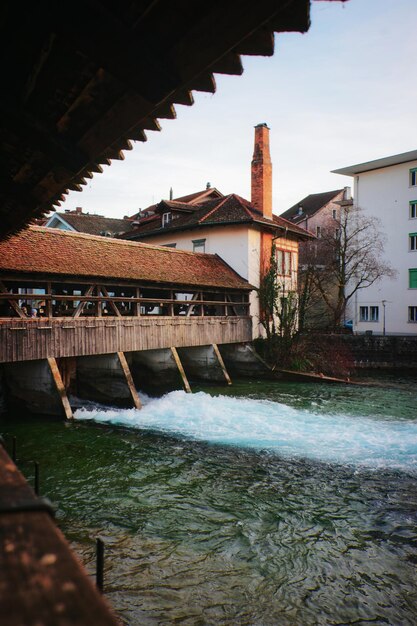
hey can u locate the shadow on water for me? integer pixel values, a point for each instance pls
(200, 532)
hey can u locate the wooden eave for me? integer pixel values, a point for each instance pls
(81, 82)
(115, 282)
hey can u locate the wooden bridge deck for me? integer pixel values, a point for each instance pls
(40, 338)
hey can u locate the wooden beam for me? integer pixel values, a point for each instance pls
(12, 303)
(109, 300)
(40, 575)
(129, 379)
(221, 363)
(43, 138)
(56, 375)
(181, 370)
(82, 303)
(191, 307)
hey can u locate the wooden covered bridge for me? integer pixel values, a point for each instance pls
(79, 312)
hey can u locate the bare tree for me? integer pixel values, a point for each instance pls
(347, 257)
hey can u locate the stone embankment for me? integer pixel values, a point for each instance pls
(390, 352)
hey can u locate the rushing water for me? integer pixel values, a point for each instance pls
(264, 504)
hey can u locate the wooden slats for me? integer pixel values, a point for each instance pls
(40, 338)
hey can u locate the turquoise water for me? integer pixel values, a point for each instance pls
(260, 504)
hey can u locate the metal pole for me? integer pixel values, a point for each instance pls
(383, 317)
(100, 565)
(36, 477)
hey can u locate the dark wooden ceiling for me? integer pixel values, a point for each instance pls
(82, 80)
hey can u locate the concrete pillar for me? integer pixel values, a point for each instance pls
(155, 371)
(241, 360)
(201, 363)
(102, 378)
(31, 387)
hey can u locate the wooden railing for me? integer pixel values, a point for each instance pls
(39, 338)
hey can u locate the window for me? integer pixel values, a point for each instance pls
(318, 232)
(337, 233)
(334, 214)
(166, 219)
(169, 245)
(412, 278)
(369, 313)
(412, 242)
(199, 245)
(413, 177)
(374, 313)
(284, 262)
(363, 313)
(412, 314)
(413, 209)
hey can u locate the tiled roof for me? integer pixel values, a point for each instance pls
(223, 211)
(43, 250)
(96, 224)
(310, 204)
(198, 197)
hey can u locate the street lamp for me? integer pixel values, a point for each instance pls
(383, 317)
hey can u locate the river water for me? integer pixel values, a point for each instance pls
(261, 504)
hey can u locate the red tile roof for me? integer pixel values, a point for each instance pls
(198, 197)
(43, 250)
(223, 211)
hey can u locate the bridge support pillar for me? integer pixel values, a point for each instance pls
(155, 371)
(106, 378)
(204, 363)
(36, 387)
(242, 360)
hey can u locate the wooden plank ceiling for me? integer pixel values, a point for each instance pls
(82, 80)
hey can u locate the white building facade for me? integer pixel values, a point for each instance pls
(387, 189)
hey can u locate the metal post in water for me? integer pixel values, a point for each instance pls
(100, 564)
(36, 464)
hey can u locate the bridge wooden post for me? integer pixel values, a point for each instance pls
(181, 370)
(221, 363)
(60, 387)
(129, 380)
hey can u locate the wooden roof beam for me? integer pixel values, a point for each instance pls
(261, 42)
(55, 147)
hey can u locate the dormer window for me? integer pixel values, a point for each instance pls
(166, 219)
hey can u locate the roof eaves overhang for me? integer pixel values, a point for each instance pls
(80, 91)
(368, 166)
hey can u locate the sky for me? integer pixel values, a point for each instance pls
(343, 93)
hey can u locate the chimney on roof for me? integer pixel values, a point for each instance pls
(79, 210)
(208, 186)
(262, 172)
(171, 194)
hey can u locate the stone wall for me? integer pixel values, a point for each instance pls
(383, 352)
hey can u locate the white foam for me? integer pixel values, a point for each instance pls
(262, 424)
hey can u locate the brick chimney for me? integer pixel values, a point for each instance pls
(262, 172)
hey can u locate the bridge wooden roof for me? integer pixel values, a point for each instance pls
(82, 80)
(47, 251)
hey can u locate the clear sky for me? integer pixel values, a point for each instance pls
(343, 93)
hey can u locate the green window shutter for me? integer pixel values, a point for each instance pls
(412, 275)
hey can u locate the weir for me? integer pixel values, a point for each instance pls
(126, 314)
